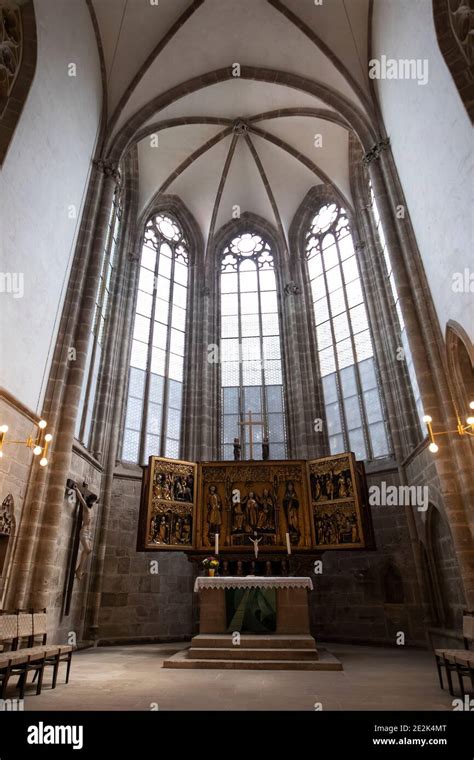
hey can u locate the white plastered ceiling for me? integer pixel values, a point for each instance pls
(290, 156)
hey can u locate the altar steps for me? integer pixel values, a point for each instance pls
(254, 641)
(253, 653)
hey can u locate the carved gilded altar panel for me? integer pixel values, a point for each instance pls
(245, 502)
(169, 492)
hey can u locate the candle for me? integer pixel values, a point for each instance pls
(288, 545)
(216, 545)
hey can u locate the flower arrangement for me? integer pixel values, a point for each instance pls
(210, 564)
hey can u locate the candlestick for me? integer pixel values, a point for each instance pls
(216, 543)
(288, 545)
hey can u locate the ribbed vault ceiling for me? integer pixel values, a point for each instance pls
(256, 145)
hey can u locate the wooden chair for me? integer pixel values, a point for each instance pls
(55, 653)
(19, 661)
(458, 660)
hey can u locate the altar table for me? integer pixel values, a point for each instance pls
(292, 615)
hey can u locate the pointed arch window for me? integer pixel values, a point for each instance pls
(352, 399)
(153, 417)
(250, 347)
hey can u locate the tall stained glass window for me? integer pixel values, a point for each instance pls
(354, 411)
(250, 348)
(153, 417)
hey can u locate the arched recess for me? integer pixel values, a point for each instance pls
(454, 24)
(7, 535)
(460, 354)
(443, 570)
(18, 53)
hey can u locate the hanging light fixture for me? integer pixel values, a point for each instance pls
(467, 429)
(39, 444)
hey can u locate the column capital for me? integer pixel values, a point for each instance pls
(375, 151)
(108, 168)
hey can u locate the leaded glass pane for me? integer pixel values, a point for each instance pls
(231, 427)
(251, 349)
(271, 348)
(367, 374)
(327, 362)
(373, 408)
(253, 400)
(163, 287)
(352, 410)
(139, 355)
(172, 449)
(274, 398)
(177, 342)
(136, 383)
(269, 302)
(156, 388)
(131, 443)
(155, 412)
(229, 282)
(133, 420)
(357, 443)
(330, 388)
(158, 361)
(324, 335)
(336, 444)
(141, 330)
(175, 368)
(333, 418)
(178, 318)
(160, 335)
(276, 428)
(251, 373)
(144, 303)
(175, 394)
(180, 273)
(250, 325)
(230, 327)
(173, 423)
(273, 373)
(230, 373)
(277, 451)
(231, 400)
(146, 281)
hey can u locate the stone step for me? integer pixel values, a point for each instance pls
(254, 641)
(239, 653)
(182, 660)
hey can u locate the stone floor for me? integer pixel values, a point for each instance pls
(131, 678)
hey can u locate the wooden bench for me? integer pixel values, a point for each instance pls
(22, 626)
(458, 660)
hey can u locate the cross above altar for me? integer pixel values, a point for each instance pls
(250, 423)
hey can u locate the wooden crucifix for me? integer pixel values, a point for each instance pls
(250, 423)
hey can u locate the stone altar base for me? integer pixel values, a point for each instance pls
(255, 652)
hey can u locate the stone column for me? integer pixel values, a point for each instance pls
(119, 341)
(422, 328)
(37, 486)
(45, 578)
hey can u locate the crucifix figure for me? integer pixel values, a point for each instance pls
(250, 423)
(255, 542)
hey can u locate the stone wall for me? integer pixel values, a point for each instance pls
(355, 598)
(138, 603)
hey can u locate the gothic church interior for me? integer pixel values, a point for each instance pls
(217, 212)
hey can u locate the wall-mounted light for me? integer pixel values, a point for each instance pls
(38, 444)
(467, 429)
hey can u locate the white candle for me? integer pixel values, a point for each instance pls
(216, 548)
(288, 545)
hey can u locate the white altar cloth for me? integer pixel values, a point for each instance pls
(252, 581)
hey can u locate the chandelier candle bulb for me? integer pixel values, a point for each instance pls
(216, 544)
(288, 545)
